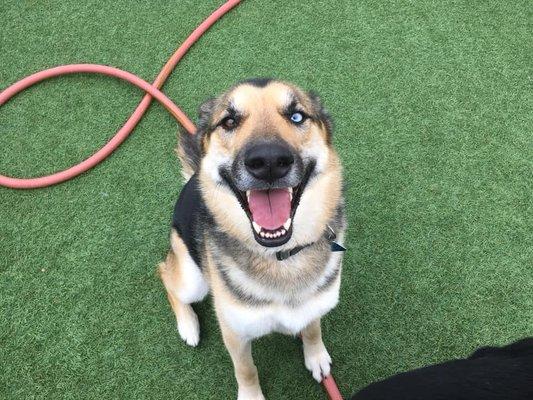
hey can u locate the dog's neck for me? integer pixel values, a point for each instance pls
(330, 236)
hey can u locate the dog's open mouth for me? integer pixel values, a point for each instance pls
(271, 210)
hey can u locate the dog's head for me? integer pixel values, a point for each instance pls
(268, 170)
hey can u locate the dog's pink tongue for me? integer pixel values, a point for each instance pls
(270, 208)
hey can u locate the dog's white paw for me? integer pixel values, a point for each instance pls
(250, 393)
(317, 360)
(189, 329)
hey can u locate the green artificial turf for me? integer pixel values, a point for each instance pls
(433, 107)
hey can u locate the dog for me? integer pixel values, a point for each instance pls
(490, 373)
(259, 223)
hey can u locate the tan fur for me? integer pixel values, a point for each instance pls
(187, 169)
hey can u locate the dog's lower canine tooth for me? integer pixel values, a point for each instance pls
(283, 231)
(287, 224)
(256, 226)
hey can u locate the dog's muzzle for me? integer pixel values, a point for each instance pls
(268, 177)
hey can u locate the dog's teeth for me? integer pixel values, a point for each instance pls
(287, 224)
(262, 234)
(256, 226)
(290, 194)
(283, 231)
(248, 195)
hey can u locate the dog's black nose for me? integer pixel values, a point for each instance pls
(268, 161)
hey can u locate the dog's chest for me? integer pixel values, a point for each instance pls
(306, 298)
(254, 322)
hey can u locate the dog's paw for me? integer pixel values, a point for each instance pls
(317, 360)
(254, 393)
(189, 329)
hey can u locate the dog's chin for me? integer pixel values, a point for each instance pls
(274, 241)
(270, 232)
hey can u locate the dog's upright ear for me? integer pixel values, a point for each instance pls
(321, 114)
(189, 149)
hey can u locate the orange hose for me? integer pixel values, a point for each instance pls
(122, 134)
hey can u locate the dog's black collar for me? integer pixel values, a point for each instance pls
(330, 236)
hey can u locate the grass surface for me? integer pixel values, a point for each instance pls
(433, 107)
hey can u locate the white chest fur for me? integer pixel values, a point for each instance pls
(255, 321)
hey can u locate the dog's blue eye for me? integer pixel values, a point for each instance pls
(297, 117)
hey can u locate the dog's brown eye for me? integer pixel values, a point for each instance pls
(229, 123)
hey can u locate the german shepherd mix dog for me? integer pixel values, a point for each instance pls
(255, 223)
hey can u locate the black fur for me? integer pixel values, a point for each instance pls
(237, 292)
(490, 373)
(257, 82)
(188, 212)
(330, 279)
(321, 113)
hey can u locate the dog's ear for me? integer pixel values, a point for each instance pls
(204, 114)
(321, 114)
(190, 147)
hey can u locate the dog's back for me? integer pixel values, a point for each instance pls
(490, 373)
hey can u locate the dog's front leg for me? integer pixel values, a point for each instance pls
(316, 357)
(240, 350)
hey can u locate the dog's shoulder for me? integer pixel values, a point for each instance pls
(189, 212)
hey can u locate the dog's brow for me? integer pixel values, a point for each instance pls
(231, 109)
(228, 108)
(292, 100)
(292, 105)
